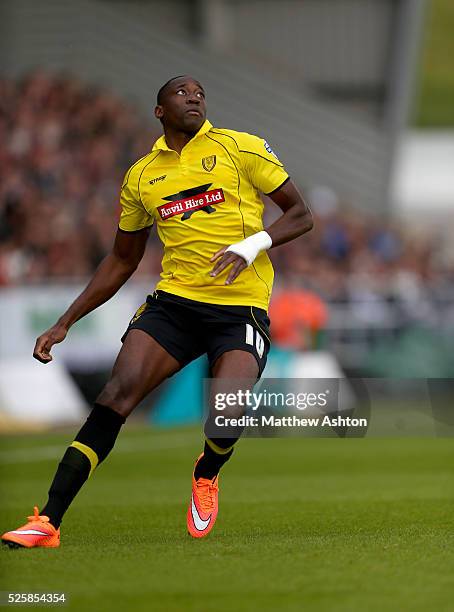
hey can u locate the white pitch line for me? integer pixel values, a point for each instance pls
(43, 453)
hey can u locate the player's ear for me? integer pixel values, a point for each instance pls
(158, 111)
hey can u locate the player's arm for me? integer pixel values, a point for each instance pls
(112, 273)
(296, 220)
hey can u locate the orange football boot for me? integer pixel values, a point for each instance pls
(203, 507)
(37, 532)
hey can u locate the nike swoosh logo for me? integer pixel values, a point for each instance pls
(29, 532)
(199, 523)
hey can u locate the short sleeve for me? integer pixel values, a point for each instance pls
(264, 169)
(133, 216)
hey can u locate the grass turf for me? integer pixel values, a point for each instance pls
(313, 524)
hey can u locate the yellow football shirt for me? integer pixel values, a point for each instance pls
(202, 199)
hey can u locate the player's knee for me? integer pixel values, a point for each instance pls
(119, 396)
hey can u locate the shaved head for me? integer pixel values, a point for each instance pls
(162, 90)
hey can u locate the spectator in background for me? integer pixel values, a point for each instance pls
(64, 150)
(299, 317)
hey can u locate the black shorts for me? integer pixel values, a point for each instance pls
(188, 329)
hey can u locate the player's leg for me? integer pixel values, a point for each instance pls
(238, 351)
(237, 344)
(233, 371)
(230, 367)
(141, 365)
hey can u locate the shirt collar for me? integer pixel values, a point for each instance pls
(161, 144)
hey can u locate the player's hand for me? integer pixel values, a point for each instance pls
(223, 260)
(46, 341)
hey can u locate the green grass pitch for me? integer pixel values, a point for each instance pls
(304, 524)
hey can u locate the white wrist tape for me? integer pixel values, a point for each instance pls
(250, 247)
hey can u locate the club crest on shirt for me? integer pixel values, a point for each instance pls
(209, 163)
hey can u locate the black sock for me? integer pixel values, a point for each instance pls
(90, 447)
(216, 452)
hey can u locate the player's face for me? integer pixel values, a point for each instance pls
(183, 107)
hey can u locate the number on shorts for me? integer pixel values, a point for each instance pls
(259, 342)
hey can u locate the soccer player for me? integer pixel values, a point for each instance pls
(200, 185)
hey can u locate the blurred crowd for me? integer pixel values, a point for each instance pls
(372, 272)
(64, 150)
